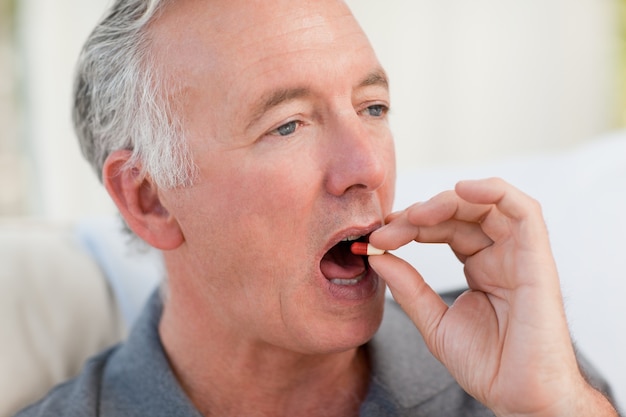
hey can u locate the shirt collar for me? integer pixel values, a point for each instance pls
(404, 372)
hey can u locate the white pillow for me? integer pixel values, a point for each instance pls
(132, 267)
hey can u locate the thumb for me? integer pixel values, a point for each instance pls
(423, 305)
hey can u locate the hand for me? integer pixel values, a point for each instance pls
(506, 340)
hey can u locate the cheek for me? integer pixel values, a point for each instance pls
(252, 228)
(274, 197)
(249, 212)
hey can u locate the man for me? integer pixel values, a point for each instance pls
(248, 140)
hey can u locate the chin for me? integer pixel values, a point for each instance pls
(347, 332)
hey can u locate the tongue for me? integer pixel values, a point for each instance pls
(340, 263)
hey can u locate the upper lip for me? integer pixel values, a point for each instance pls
(350, 232)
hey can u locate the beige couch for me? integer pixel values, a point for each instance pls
(56, 309)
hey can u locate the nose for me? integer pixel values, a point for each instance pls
(359, 155)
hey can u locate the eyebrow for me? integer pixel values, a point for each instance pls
(275, 98)
(376, 78)
(281, 96)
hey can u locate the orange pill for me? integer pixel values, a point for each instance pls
(365, 249)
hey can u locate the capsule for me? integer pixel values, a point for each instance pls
(365, 249)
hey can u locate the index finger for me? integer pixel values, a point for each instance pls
(465, 238)
(509, 200)
(445, 206)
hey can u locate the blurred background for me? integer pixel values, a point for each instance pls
(472, 81)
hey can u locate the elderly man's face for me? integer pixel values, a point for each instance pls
(284, 105)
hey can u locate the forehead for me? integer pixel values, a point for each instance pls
(228, 18)
(223, 59)
(224, 37)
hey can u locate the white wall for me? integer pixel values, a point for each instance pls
(471, 81)
(480, 79)
(52, 33)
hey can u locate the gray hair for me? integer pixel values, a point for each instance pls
(120, 98)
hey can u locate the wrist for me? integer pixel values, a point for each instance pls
(583, 402)
(594, 403)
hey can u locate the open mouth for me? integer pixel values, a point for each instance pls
(341, 267)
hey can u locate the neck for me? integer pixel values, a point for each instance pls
(227, 375)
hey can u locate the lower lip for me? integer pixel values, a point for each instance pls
(365, 289)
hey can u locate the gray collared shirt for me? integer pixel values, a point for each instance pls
(134, 379)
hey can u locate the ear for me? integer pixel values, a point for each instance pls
(138, 200)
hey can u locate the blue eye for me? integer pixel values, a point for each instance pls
(376, 110)
(286, 129)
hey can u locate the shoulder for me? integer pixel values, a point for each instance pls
(76, 397)
(133, 379)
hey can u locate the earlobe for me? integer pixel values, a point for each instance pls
(139, 202)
